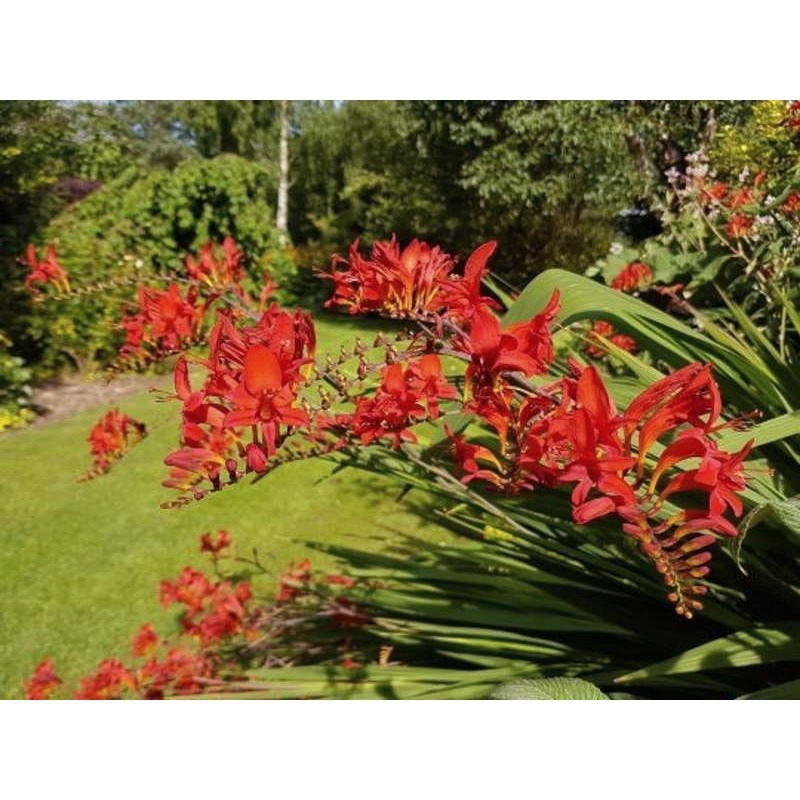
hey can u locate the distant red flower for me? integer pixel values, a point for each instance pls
(191, 589)
(607, 331)
(47, 271)
(792, 203)
(110, 437)
(109, 682)
(180, 672)
(714, 192)
(215, 546)
(633, 277)
(792, 118)
(217, 273)
(145, 640)
(163, 322)
(739, 225)
(44, 682)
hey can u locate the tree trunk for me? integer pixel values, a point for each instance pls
(282, 216)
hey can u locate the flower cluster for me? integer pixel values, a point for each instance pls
(217, 274)
(410, 283)
(634, 277)
(248, 402)
(164, 321)
(634, 464)
(110, 438)
(45, 272)
(222, 630)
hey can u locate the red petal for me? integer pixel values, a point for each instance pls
(262, 370)
(476, 263)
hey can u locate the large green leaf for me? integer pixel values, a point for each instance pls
(784, 691)
(744, 375)
(763, 645)
(548, 689)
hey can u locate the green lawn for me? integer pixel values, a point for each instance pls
(80, 562)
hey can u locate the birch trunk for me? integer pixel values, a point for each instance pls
(282, 216)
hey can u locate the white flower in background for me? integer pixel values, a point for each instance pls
(616, 248)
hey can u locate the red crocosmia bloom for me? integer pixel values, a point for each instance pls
(145, 640)
(214, 273)
(792, 118)
(739, 225)
(108, 683)
(633, 277)
(191, 589)
(181, 672)
(739, 198)
(44, 682)
(525, 347)
(425, 379)
(293, 583)
(719, 474)
(215, 546)
(225, 616)
(461, 296)
(164, 321)
(792, 203)
(607, 331)
(714, 192)
(392, 282)
(688, 396)
(597, 456)
(263, 398)
(469, 458)
(110, 437)
(396, 404)
(47, 271)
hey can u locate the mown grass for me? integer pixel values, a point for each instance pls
(81, 562)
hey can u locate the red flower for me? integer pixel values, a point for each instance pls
(396, 404)
(792, 118)
(715, 192)
(181, 672)
(145, 640)
(110, 437)
(207, 545)
(43, 683)
(461, 296)
(48, 271)
(217, 274)
(415, 282)
(191, 589)
(792, 203)
(164, 321)
(633, 277)
(393, 282)
(108, 683)
(607, 331)
(738, 226)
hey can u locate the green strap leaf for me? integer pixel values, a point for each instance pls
(763, 645)
(784, 691)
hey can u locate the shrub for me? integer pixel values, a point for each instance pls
(139, 226)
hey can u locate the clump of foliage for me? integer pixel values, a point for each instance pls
(138, 227)
(14, 389)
